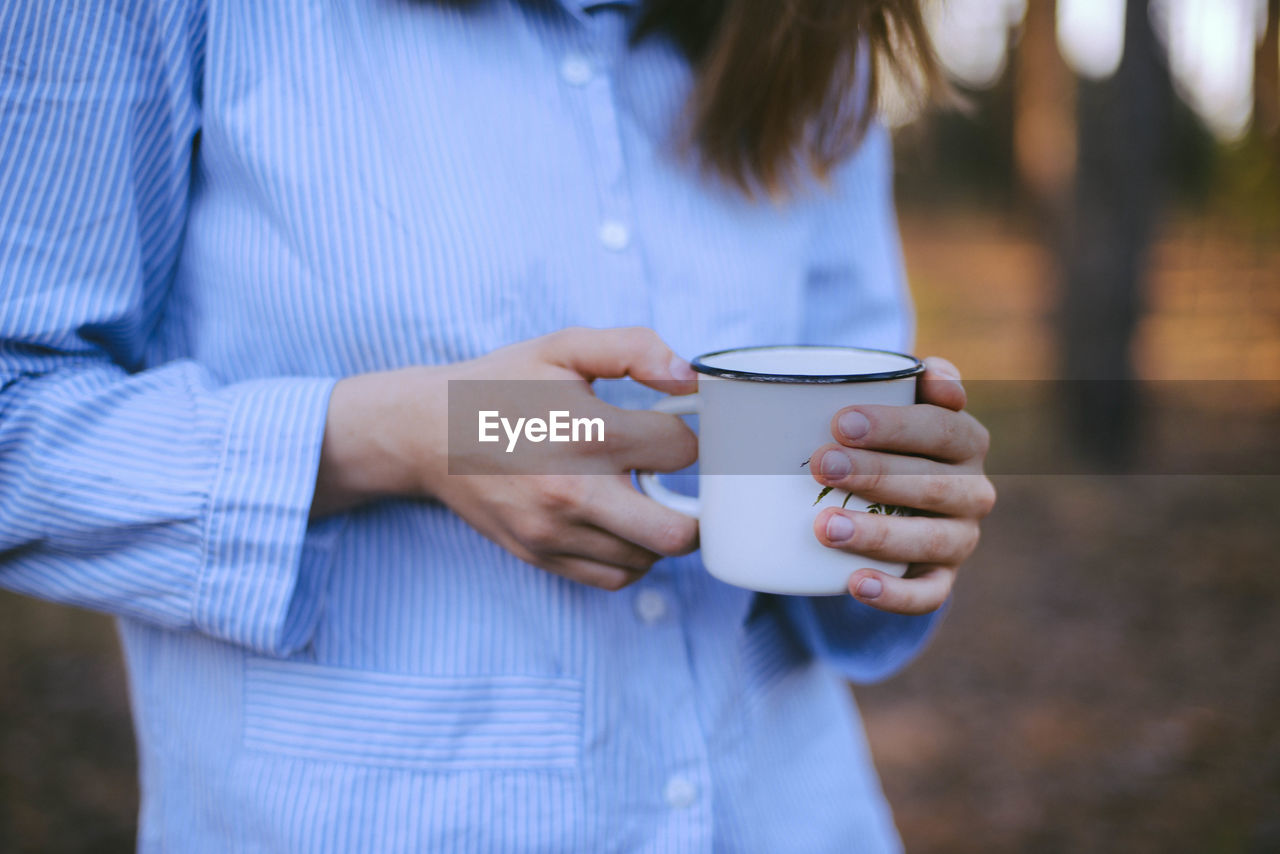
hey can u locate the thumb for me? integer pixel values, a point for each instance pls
(632, 351)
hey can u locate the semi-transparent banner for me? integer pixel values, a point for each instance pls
(1041, 427)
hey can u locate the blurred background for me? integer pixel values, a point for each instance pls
(1094, 238)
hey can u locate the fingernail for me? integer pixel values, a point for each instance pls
(839, 528)
(869, 588)
(853, 424)
(681, 370)
(947, 371)
(835, 464)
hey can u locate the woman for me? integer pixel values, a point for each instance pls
(244, 248)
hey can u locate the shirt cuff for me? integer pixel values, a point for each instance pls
(264, 565)
(866, 645)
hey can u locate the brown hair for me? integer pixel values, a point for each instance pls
(777, 83)
(775, 93)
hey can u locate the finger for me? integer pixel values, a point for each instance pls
(940, 385)
(923, 593)
(609, 564)
(924, 429)
(635, 517)
(590, 572)
(594, 544)
(650, 441)
(904, 481)
(632, 351)
(897, 539)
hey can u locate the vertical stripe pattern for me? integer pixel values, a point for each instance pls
(212, 210)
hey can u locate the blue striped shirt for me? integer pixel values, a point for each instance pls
(209, 212)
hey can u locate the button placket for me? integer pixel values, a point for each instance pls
(615, 228)
(614, 235)
(680, 792)
(675, 770)
(576, 69)
(650, 605)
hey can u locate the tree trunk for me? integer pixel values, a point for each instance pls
(1120, 129)
(1044, 117)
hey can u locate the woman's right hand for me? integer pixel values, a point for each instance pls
(386, 436)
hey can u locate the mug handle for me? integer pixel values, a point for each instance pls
(687, 404)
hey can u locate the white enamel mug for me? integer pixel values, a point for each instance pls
(762, 411)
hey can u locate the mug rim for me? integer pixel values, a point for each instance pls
(914, 369)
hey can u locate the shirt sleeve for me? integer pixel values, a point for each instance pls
(156, 494)
(857, 296)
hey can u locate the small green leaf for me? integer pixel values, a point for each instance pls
(847, 496)
(889, 510)
(823, 494)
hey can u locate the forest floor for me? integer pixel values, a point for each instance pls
(1106, 680)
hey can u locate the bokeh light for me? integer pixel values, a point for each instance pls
(1210, 49)
(1211, 54)
(972, 37)
(1091, 36)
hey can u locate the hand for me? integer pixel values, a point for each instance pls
(387, 435)
(927, 457)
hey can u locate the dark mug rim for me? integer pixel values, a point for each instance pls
(914, 369)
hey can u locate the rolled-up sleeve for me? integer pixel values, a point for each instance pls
(857, 296)
(155, 493)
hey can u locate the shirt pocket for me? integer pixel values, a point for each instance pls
(414, 722)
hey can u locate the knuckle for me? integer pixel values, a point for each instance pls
(645, 562)
(537, 533)
(933, 600)
(971, 544)
(945, 367)
(954, 436)
(640, 338)
(548, 565)
(889, 429)
(646, 349)
(564, 494)
(982, 438)
(986, 498)
(875, 535)
(564, 338)
(917, 604)
(868, 473)
(616, 579)
(941, 542)
(948, 582)
(936, 492)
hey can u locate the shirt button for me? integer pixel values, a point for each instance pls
(614, 235)
(680, 793)
(651, 605)
(575, 70)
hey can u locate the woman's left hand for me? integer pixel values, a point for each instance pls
(927, 457)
